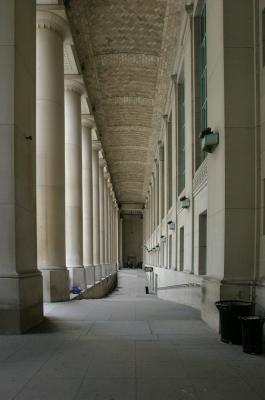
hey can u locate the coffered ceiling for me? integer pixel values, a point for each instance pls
(126, 53)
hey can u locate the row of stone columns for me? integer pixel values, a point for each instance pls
(75, 218)
(155, 210)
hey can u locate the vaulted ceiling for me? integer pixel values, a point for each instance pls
(126, 52)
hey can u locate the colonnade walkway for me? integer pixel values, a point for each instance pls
(128, 346)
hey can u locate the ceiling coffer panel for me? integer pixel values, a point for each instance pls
(124, 51)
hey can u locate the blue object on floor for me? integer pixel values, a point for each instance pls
(75, 290)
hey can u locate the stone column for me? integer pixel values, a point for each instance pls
(116, 236)
(73, 184)
(106, 217)
(109, 226)
(102, 224)
(96, 221)
(111, 232)
(51, 32)
(87, 125)
(21, 305)
(120, 240)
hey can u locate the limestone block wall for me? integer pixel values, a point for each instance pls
(219, 239)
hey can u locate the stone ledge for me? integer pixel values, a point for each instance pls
(100, 289)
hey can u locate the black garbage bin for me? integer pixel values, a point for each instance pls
(252, 334)
(230, 327)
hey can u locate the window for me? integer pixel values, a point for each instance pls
(181, 137)
(203, 73)
(157, 194)
(200, 70)
(169, 160)
(263, 37)
(203, 243)
(170, 252)
(181, 248)
(162, 183)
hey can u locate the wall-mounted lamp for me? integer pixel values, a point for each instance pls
(163, 239)
(171, 225)
(189, 7)
(209, 140)
(184, 202)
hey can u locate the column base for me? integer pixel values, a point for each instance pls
(21, 303)
(90, 275)
(77, 277)
(103, 271)
(98, 273)
(55, 285)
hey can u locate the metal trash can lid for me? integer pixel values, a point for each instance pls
(252, 318)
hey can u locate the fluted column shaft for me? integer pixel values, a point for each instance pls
(73, 185)
(51, 31)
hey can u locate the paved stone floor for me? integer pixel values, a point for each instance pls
(129, 346)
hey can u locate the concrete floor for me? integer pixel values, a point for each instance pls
(129, 346)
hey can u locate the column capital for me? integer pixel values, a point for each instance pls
(88, 121)
(75, 86)
(109, 186)
(96, 145)
(102, 162)
(51, 21)
(106, 175)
